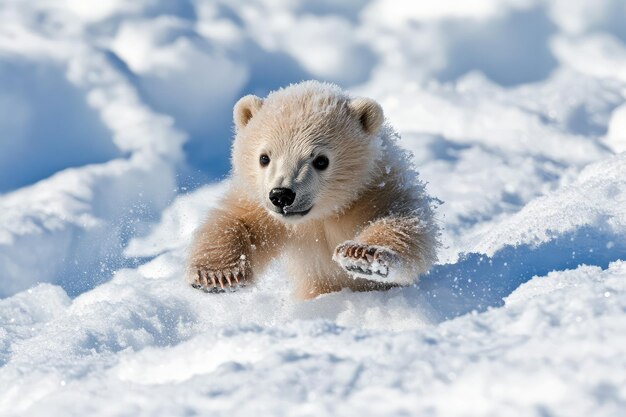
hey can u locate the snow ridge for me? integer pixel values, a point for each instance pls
(115, 115)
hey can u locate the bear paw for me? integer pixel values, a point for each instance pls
(365, 261)
(218, 280)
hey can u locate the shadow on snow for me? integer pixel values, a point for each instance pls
(477, 282)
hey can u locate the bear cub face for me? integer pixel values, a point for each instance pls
(305, 154)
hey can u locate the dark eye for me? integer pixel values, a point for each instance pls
(321, 163)
(264, 160)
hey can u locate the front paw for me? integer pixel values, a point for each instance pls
(365, 261)
(217, 280)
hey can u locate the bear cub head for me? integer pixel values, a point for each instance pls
(306, 151)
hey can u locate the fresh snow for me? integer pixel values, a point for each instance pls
(115, 128)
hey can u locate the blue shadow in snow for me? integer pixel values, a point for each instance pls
(612, 21)
(348, 10)
(511, 50)
(477, 282)
(46, 125)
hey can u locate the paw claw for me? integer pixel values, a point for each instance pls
(213, 281)
(364, 260)
(216, 281)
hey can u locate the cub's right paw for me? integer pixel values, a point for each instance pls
(219, 280)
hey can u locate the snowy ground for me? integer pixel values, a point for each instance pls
(113, 116)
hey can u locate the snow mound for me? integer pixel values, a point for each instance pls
(114, 116)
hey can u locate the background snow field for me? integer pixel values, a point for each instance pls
(114, 115)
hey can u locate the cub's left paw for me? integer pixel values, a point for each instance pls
(365, 261)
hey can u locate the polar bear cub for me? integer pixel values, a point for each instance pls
(318, 179)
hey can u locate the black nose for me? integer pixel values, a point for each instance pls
(282, 197)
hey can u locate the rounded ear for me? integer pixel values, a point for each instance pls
(245, 109)
(369, 113)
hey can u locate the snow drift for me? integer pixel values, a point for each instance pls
(113, 116)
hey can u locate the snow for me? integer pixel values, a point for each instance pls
(115, 127)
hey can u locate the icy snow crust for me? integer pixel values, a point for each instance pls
(112, 113)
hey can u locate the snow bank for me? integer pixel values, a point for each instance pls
(76, 222)
(113, 116)
(161, 348)
(594, 201)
